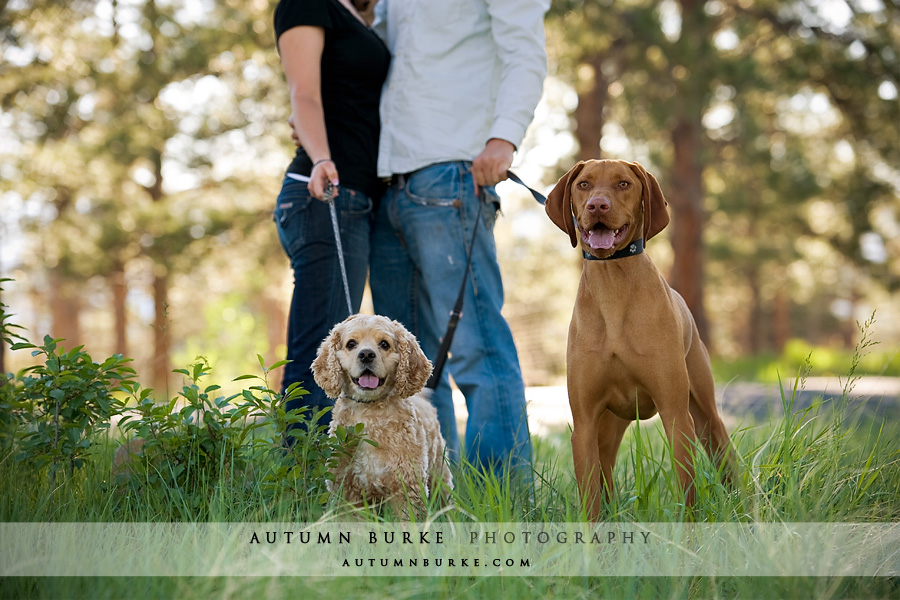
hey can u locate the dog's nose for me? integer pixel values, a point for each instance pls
(599, 204)
(366, 356)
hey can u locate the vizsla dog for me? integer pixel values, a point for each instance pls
(633, 348)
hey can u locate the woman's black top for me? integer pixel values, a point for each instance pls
(354, 66)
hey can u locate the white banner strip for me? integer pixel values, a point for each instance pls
(449, 549)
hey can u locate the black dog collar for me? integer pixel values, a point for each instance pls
(634, 248)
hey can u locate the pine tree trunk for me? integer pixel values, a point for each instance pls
(276, 326)
(161, 335)
(589, 113)
(65, 310)
(781, 319)
(755, 336)
(686, 232)
(120, 296)
(686, 190)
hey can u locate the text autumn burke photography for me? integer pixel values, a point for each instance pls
(495, 537)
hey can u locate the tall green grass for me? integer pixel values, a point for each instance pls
(827, 463)
(820, 465)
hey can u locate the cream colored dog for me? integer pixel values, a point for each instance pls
(374, 369)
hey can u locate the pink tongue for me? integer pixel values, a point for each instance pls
(368, 381)
(602, 238)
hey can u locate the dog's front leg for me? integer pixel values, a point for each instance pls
(586, 459)
(596, 437)
(679, 426)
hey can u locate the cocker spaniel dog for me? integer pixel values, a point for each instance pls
(375, 370)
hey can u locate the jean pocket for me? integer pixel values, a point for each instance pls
(354, 204)
(490, 208)
(293, 200)
(292, 216)
(437, 185)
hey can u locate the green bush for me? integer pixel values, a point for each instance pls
(820, 360)
(191, 447)
(59, 406)
(198, 441)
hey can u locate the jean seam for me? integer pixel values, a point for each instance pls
(492, 357)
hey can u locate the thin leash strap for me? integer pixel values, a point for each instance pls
(456, 313)
(328, 197)
(539, 197)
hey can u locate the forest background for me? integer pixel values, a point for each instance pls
(143, 142)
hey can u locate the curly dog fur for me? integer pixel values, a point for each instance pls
(374, 369)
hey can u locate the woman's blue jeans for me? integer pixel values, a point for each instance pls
(420, 241)
(318, 302)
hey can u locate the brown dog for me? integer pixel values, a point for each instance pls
(633, 350)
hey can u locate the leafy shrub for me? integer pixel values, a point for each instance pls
(10, 408)
(61, 404)
(198, 440)
(188, 443)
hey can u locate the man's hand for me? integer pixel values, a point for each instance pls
(489, 167)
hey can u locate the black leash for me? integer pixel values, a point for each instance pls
(541, 199)
(456, 313)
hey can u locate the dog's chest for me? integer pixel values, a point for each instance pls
(623, 326)
(371, 467)
(608, 381)
(394, 433)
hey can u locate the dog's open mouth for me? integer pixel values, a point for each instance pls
(368, 380)
(601, 237)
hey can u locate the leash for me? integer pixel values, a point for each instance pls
(457, 311)
(539, 197)
(328, 197)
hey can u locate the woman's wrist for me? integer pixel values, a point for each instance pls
(320, 161)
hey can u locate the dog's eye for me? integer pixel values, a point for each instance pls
(384, 345)
(583, 185)
(351, 344)
(624, 185)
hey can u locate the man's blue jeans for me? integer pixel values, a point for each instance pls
(420, 241)
(318, 302)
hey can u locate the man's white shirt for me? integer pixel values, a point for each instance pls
(462, 72)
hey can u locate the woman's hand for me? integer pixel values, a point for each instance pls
(323, 180)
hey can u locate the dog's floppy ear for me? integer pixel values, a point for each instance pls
(559, 203)
(414, 368)
(656, 215)
(326, 367)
